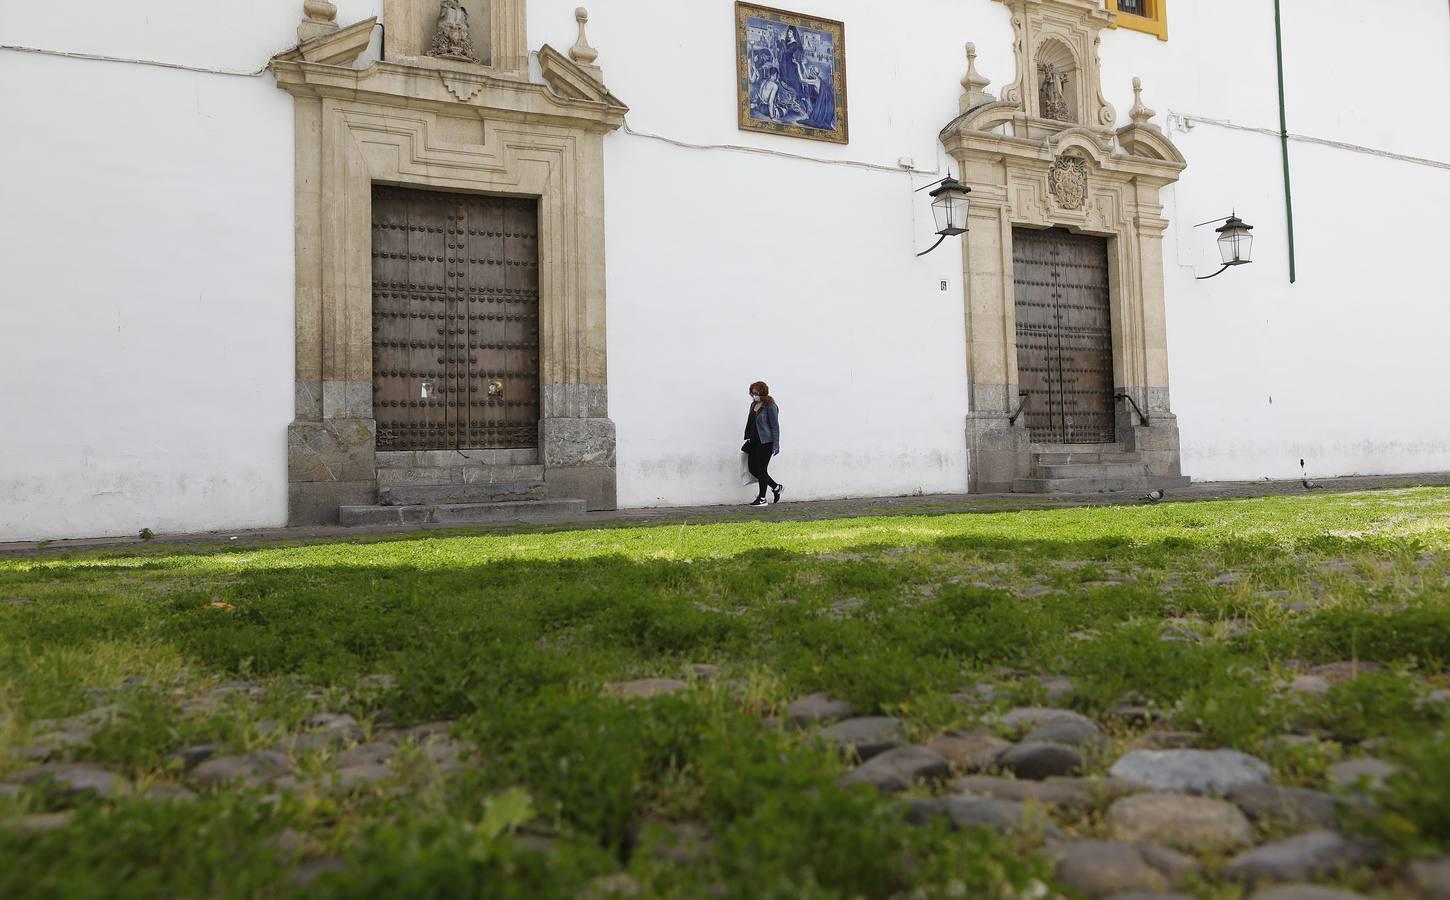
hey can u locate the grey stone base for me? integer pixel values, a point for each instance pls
(998, 454)
(570, 442)
(332, 450)
(1156, 444)
(461, 513)
(595, 485)
(317, 502)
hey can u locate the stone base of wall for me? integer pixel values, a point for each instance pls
(997, 453)
(595, 485)
(316, 502)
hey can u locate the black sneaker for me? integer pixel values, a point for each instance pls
(776, 490)
(758, 501)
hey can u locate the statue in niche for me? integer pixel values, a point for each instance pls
(451, 40)
(1053, 93)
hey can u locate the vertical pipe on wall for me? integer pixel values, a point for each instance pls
(1284, 139)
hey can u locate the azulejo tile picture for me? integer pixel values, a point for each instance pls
(791, 73)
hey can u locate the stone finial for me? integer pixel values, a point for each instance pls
(974, 84)
(320, 17)
(581, 52)
(1140, 114)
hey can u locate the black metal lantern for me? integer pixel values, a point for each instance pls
(949, 205)
(1235, 244)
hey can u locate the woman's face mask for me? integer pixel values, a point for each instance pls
(754, 396)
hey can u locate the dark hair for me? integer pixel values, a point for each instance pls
(763, 390)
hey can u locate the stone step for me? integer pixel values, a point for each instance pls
(474, 492)
(1055, 458)
(1143, 483)
(439, 459)
(461, 513)
(463, 473)
(1089, 470)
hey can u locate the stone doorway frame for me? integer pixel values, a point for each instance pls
(1027, 170)
(416, 121)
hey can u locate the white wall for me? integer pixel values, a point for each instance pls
(146, 272)
(1348, 353)
(726, 267)
(146, 303)
(1342, 368)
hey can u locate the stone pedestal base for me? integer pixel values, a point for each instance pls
(330, 463)
(998, 453)
(1156, 442)
(579, 459)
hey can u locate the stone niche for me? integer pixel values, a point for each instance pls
(419, 121)
(1073, 169)
(410, 28)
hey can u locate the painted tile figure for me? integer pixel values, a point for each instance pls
(792, 73)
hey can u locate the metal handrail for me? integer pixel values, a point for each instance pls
(1012, 419)
(1142, 418)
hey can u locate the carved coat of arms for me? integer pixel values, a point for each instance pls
(1067, 180)
(451, 39)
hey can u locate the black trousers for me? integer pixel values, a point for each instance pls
(759, 462)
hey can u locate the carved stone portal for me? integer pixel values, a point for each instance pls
(416, 121)
(1046, 156)
(1068, 181)
(452, 40)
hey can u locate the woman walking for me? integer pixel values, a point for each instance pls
(762, 439)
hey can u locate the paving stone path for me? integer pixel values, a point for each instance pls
(1122, 808)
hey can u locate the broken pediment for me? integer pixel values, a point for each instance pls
(332, 46)
(573, 81)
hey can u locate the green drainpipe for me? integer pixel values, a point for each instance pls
(1284, 139)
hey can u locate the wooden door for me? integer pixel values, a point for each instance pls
(1064, 336)
(455, 320)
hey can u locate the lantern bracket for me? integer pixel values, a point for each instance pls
(948, 184)
(939, 239)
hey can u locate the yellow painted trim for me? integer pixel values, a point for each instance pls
(1155, 23)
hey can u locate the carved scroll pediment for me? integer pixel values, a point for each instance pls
(339, 47)
(572, 81)
(1059, 77)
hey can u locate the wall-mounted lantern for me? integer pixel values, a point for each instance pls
(1235, 244)
(949, 206)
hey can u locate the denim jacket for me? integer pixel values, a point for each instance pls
(767, 423)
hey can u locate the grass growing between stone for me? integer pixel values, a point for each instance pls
(463, 715)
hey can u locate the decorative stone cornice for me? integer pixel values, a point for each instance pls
(332, 47)
(574, 81)
(570, 97)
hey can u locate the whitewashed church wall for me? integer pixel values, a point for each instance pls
(726, 266)
(147, 275)
(1343, 368)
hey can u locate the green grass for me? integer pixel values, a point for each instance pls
(515, 635)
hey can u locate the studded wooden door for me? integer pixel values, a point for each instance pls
(1064, 336)
(455, 320)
